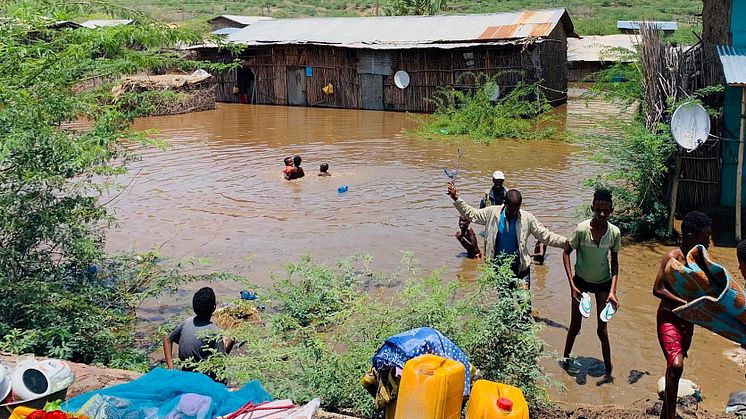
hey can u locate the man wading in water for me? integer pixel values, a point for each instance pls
(674, 333)
(508, 230)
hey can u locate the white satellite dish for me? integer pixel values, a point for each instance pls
(401, 79)
(493, 91)
(690, 125)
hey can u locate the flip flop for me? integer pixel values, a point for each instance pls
(607, 312)
(585, 305)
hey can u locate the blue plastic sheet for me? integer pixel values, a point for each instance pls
(162, 389)
(399, 349)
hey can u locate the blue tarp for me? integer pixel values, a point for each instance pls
(399, 349)
(162, 389)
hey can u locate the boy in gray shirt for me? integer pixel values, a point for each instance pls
(196, 335)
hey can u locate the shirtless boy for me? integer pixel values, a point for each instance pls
(675, 333)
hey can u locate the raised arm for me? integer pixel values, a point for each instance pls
(478, 216)
(543, 234)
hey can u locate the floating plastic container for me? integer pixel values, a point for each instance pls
(431, 387)
(491, 400)
(342, 189)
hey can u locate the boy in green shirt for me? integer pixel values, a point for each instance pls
(597, 243)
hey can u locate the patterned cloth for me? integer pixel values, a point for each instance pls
(399, 349)
(715, 301)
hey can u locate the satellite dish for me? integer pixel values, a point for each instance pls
(401, 79)
(690, 125)
(492, 90)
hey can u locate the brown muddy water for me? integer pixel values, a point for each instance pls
(218, 193)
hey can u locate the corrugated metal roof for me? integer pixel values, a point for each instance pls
(244, 20)
(92, 24)
(225, 31)
(635, 25)
(396, 32)
(600, 48)
(734, 64)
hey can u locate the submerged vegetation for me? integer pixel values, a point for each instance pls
(323, 324)
(60, 147)
(522, 113)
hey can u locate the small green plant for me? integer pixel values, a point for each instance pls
(324, 324)
(522, 113)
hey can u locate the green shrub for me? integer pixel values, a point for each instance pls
(60, 294)
(521, 113)
(323, 325)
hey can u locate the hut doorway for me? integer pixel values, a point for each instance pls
(372, 91)
(245, 84)
(297, 86)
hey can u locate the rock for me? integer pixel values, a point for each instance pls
(686, 388)
(87, 377)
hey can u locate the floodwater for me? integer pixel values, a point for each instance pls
(218, 193)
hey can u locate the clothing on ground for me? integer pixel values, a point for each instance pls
(592, 260)
(163, 390)
(399, 349)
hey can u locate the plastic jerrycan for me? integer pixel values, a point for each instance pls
(491, 400)
(431, 387)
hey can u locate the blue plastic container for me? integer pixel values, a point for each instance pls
(342, 189)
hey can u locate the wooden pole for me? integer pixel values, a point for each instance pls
(674, 191)
(739, 170)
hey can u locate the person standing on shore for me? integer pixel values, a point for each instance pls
(508, 231)
(674, 333)
(597, 243)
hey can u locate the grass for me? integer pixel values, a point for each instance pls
(591, 17)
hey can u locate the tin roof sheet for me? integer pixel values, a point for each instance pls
(635, 25)
(600, 48)
(225, 31)
(396, 32)
(734, 64)
(93, 24)
(244, 20)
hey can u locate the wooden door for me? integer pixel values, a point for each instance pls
(297, 86)
(371, 87)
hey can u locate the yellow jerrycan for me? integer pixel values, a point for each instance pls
(490, 400)
(431, 387)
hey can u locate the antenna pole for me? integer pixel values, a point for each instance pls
(674, 191)
(739, 170)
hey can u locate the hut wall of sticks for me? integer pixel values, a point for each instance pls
(345, 71)
(672, 74)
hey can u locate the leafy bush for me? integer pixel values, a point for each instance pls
(521, 113)
(323, 325)
(61, 139)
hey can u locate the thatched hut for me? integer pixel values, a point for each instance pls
(302, 61)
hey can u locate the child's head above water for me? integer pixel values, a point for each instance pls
(288, 161)
(324, 167)
(204, 303)
(296, 161)
(463, 222)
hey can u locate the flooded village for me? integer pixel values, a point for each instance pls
(212, 209)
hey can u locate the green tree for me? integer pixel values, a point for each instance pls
(414, 7)
(61, 137)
